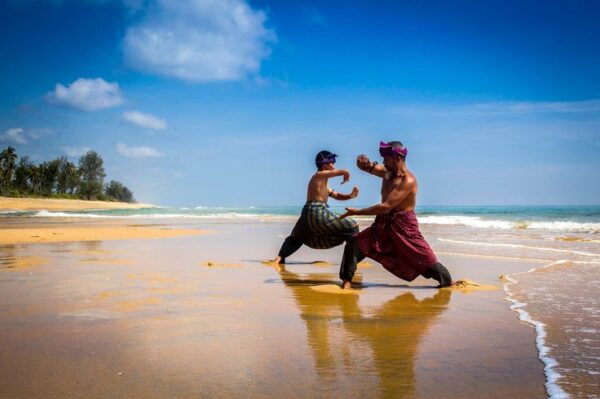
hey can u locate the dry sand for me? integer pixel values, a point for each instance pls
(101, 233)
(49, 204)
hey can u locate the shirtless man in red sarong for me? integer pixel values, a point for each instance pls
(394, 239)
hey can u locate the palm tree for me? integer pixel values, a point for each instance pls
(8, 161)
(92, 174)
(22, 180)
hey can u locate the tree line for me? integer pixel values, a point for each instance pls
(59, 178)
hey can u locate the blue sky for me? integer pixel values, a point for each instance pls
(226, 102)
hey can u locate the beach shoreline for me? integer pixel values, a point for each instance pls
(53, 204)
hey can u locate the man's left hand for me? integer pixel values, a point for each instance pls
(349, 212)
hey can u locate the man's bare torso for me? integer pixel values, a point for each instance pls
(396, 183)
(318, 190)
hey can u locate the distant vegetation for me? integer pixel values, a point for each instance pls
(59, 178)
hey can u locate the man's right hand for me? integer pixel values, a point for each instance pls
(363, 162)
(346, 175)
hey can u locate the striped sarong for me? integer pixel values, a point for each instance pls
(394, 240)
(319, 228)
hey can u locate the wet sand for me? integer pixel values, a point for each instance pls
(150, 318)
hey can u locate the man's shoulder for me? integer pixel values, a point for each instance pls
(409, 180)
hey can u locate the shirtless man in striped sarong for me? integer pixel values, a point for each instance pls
(394, 239)
(318, 227)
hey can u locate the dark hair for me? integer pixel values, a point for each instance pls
(324, 157)
(397, 144)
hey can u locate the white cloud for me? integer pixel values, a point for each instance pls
(199, 40)
(145, 120)
(15, 135)
(138, 152)
(75, 151)
(87, 94)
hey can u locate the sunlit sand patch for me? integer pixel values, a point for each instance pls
(70, 234)
(218, 265)
(92, 252)
(109, 294)
(574, 239)
(26, 262)
(130, 306)
(469, 286)
(108, 261)
(364, 265)
(321, 263)
(334, 289)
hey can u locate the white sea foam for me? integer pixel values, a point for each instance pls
(552, 376)
(520, 246)
(229, 215)
(10, 212)
(472, 221)
(478, 222)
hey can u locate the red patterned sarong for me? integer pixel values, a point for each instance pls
(394, 240)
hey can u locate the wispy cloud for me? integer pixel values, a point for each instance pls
(200, 40)
(314, 17)
(15, 135)
(87, 94)
(145, 120)
(138, 152)
(501, 108)
(75, 151)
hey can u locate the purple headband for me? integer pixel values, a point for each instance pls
(387, 150)
(327, 159)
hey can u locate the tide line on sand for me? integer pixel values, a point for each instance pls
(552, 376)
(520, 246)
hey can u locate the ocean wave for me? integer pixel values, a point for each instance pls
(12, 212)
(478, 222)
(201, 212)
(552, 376)
(229, 215)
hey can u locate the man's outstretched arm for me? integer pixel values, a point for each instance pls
(335, 172)
(343, 197)
(372, 167)
(394, 199)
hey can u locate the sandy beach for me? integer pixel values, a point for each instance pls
(14, 231)
(49, 204)
(200, 315)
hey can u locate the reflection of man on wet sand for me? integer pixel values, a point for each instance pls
(394, 239)
(391, 331)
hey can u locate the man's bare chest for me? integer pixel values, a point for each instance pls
(388, 186)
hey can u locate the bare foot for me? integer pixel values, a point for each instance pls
(277, 263)
(346, 285)
(272, 262)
